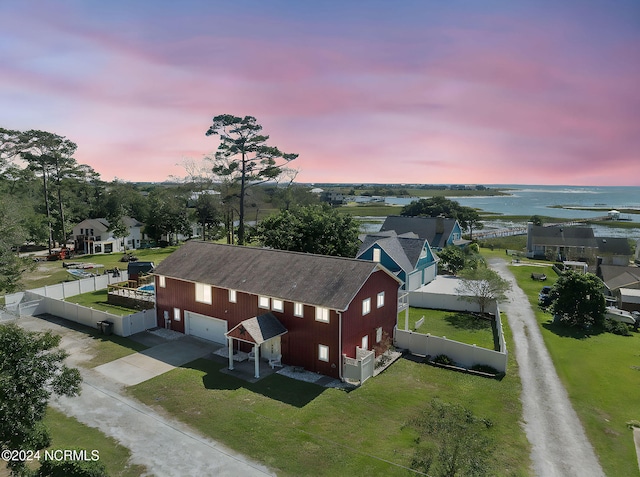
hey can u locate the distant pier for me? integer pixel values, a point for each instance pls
(522, 230)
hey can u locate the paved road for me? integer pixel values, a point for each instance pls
(164, 445)
(559, 444)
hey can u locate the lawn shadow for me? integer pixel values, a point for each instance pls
(565, 331)
(275, 386)
(93, 333)
(467, 321)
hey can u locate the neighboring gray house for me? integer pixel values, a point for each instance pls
(614, 251)
(438, 231)
(561, 243)
(622, 284)
(576, 244)
(409, 257)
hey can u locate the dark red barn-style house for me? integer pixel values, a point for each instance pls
(311, 311)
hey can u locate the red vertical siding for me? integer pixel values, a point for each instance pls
(355, 326)
(299, 346)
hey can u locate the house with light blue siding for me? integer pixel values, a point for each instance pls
(440, 232)
(407, 256)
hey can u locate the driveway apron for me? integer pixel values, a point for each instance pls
(559, 444)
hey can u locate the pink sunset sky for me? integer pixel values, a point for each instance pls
(481, 92)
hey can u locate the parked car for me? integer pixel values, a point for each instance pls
(544, 297)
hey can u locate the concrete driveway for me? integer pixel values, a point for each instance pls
(139, 367)
(164, 445)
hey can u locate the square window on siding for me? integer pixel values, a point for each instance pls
(176, 314)
(263, 302)
(366, 306)
(323, 353)
(380, 300)
(233, 296)
(277, 305)
(162, 281)
(378, 334)
(298, 310)
(203, 293)
(322, 314)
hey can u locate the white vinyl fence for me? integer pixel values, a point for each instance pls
(49, 300)
(361, 368)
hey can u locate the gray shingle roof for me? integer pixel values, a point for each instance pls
(615, 276)
(318, 280)
(435, 230)
(262, 328)
(613, 246)
(563, 236)
(405, 249)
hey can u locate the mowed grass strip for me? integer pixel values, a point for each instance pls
(457, 326)
(98, 301)
(297, 428)
(68, 433)
(601, 373)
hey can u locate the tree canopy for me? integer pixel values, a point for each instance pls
(312, 229)
(31, 369)
(245, 157)
(482, 286)
(451, 442)
(577, 299)
(467, 217)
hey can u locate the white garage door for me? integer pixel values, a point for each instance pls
(202, 326)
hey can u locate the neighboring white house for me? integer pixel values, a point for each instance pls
(94, 236)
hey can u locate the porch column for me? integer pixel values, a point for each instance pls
(230, 340)
(256, 350)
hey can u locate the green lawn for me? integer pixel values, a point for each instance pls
(457, 326)
(68, 433)
(98, 301)
(298, 428)
(601, 373)
(51, 273)
(111, 347)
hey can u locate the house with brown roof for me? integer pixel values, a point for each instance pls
(310, 311)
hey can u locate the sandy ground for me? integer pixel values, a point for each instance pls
(559, 444)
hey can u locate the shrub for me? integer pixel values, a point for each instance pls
(443, 359)
(616, 327)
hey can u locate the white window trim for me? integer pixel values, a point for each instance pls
(277, 305)
(364, 342)
(298, 310)
(176, 314)
(376, 254)
(204, 293)
(366, 306)
(264, 302)
(162, 281)
(323, 353)
(322, 314)
(233, 296)
(380, 300)
(379, 334)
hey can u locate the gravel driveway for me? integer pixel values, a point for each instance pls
(559, 444)
(161, 443)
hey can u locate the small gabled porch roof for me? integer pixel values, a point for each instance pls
(257, 330)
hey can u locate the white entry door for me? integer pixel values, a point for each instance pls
(270, 349)
(206, 327)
